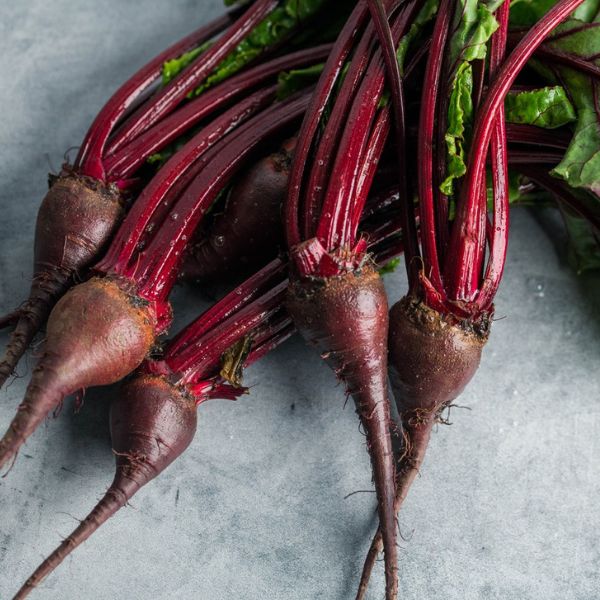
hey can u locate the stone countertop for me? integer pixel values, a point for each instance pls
(506, 505)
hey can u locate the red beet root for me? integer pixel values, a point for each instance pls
(96, 336)
(432, 359)
(152, 423)
(76, 220)
(345, 317)
(250, 231)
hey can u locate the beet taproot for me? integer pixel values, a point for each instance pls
(432, 358)
(96, 334)
(152, 422)
(345, 318)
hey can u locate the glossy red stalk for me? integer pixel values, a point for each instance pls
(314, 113)
(369, 162)
(530, 134)
(272, 336)
(549, 54)
(89, 160)
(527, 157)
(431, 264)
(167, 99)
(336, 222)
(126, 243)
(498, 243)
(407, 211)
(155, 269)
(205, 354)
(242, 295)
(326, 151)
(129, 158)
(465, 237)
(561, 191)
(210, 385)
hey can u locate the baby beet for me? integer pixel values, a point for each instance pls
(75, 221)
(151, 422)
(346, 318)
(96, 336)
(249, 232)
(432, 358)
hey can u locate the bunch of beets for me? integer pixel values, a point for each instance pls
(271, 150)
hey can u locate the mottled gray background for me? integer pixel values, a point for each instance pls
(506, 506)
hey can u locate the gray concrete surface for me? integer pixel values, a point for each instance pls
(506, 507)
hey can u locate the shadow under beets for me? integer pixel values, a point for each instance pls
(84, 444)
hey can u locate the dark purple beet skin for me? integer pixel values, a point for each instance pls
(249, 232)
(152, 422)
(432, 358)
(74, 223)
(345, 317)
(97, 335)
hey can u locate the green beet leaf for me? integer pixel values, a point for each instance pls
(548, 107)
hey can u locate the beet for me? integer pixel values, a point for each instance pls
(152, 422)
(76, 219)
(103, 329)
(72, 232)
(96, 334)
(83, 207)
(249, 232)
(345, 318)
(431, 360)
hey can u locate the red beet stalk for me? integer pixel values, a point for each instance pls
(123, 164)
(166, 100)
(323, 92)
(89, 160)
(465, 240)
(153, 419)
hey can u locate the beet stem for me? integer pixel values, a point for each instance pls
(563, 193)
(321, 96)
(326, 151)
(465, 238)
(157, 269)
(425, 147)
(125, 244)
(205, 352)
(501, 213)
(227, 306)
(396, 84)
(166, 100)
(89, 160)
(123, 163)
(335, 223)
